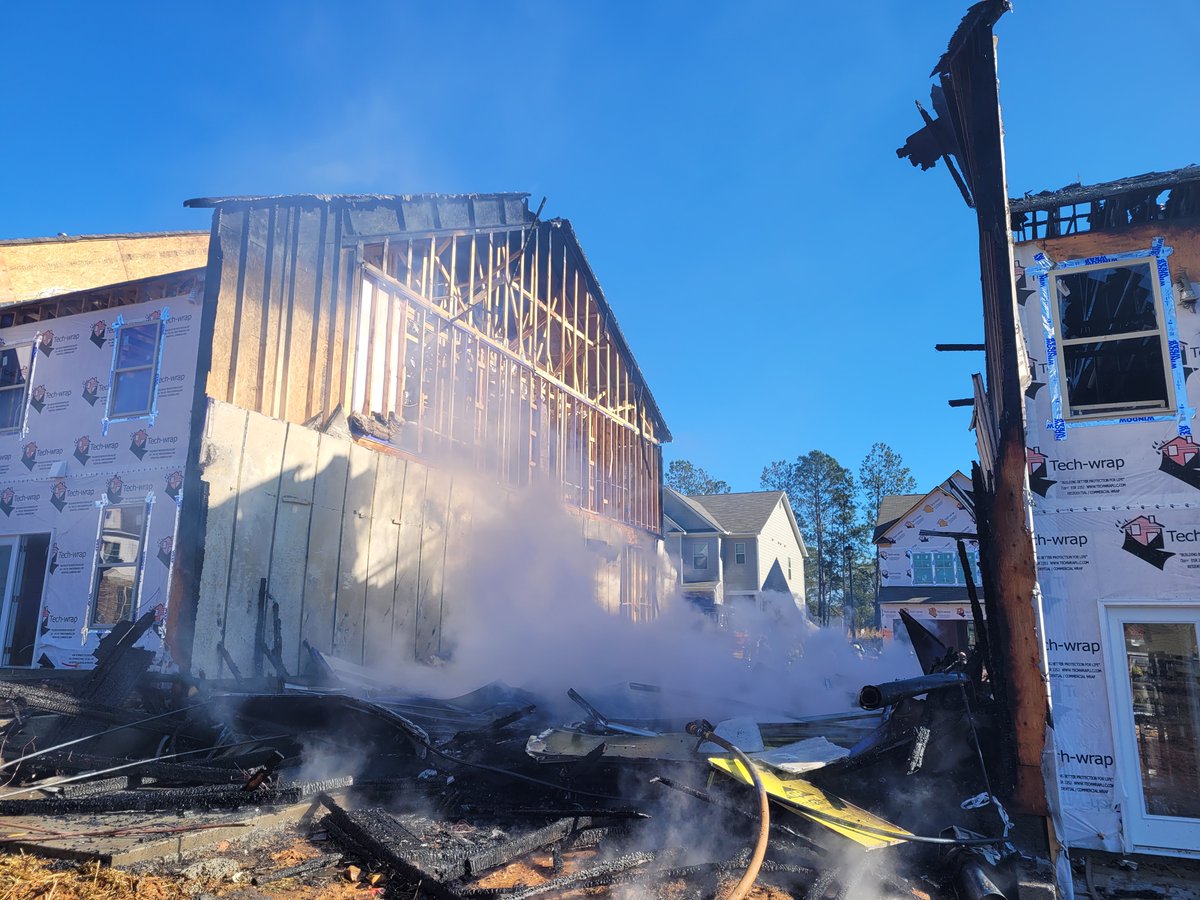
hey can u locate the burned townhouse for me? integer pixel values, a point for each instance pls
(1085, 487)
(1106, 310)
(291, 437)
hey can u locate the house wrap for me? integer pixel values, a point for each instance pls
(294, 442)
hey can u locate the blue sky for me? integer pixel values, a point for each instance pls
(780, 274)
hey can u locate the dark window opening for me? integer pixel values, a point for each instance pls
(1111, 339)
(26, 601)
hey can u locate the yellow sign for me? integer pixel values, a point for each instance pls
(804, 796)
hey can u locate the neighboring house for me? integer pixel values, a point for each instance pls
(734, 547)
(304, 430)
(919, 568)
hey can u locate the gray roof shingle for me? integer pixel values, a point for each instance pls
(891, 508)
(741, 513)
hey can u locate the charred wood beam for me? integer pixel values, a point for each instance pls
(52, 701)
(303, 868)
(168, 772)
(962, 401)
(202, 797)
(958, 348)
(970, 95)
(372, 840)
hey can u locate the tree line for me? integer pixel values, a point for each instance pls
(835, 510)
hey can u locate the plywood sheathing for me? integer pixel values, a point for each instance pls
(46, 267)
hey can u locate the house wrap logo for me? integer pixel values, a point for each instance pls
(1035, 463)
(1181, 459)
(100, 334)
(1040, 467)
(1144, 539)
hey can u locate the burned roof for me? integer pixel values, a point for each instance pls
(272, 199)
(1079, 193)
(409, 212)
(1077, 208)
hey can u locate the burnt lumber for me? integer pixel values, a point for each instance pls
(189, 798)
(302, 868)
(379, 838)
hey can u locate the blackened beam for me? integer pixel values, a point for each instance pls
(213, 773)
(962, 401)
(958, 348)
(357, 836)
(46, 700)
(202, 797)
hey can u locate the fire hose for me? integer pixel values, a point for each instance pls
(704, 730)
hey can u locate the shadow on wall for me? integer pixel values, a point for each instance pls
(369, 556)
(392, 564)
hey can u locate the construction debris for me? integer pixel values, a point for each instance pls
(443, 794)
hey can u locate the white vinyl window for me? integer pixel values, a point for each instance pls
(14, 384)
(700, 556)
(135, 365)
(1112, 341)
(114, 591)
(739, 554)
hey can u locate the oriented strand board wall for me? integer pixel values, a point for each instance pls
(30, 270)
(353, 543)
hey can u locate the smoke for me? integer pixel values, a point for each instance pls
(521, 605)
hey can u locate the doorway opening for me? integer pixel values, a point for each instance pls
(23, 561)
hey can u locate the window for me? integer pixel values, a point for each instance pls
(114, 593)
(943, 568)
(789, 559)
(1112, 341)
(973, 561)
(14, 385)
(135, 364)
(700, 556)
(739, 554)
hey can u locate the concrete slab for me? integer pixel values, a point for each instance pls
(196, 831)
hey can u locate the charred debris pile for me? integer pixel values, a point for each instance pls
(894, 799)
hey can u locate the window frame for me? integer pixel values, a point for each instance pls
(1110, 411)
(739, 553)
(23, 404)
(959, 578)
(100, 566)
(700, 549)
(121, 329)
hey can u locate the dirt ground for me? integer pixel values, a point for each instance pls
(26, 877)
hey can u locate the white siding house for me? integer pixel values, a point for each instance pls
(729, 547)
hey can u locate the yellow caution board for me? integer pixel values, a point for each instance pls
(804, 796)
